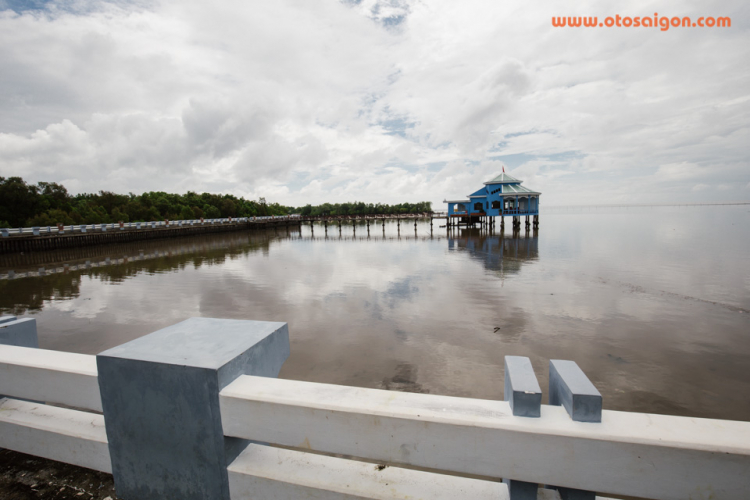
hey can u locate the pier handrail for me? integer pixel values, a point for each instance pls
(644, 455)
(160, 224)
(78, 228)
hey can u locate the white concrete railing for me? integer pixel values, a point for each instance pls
(79, 438)
(649, 456)
(64, 434)
(385, 433)
(85, 228)
(52, 376)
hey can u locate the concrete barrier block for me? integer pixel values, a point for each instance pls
(19, 332)
(160, 396)
(573, 494)
(521, 490)
(523, 393)
(522, 389)
(571, 388)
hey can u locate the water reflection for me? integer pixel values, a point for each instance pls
(655, 315)
(57, 274)
(498, 252)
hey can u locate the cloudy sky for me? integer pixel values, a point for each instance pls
(375, 100)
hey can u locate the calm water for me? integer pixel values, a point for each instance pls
(653, 304)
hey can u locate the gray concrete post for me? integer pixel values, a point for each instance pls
(522, 389)
(160, 396)
(571, 388)
(523, 393)
(18, 332)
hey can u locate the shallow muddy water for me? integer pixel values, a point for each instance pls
(652, 303)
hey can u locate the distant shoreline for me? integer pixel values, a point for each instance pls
(641, 205)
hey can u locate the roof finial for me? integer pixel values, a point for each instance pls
(503, 168)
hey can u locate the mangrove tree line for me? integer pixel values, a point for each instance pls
(49, 203)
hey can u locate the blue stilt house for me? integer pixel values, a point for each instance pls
(501, 196)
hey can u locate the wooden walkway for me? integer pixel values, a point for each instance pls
(30, 239)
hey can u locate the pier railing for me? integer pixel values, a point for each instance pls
(199, 419)
(61, 229)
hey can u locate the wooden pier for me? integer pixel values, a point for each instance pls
(35, 239)
(31, 239)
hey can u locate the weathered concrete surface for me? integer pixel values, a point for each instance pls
(63, 434)
(160, 395)
(264, 472)
(19, 332)
(571, 388)
(522, 389)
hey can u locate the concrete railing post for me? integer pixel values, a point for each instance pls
(523, 393)
(571, 388)
(19, 332)
(160, 396)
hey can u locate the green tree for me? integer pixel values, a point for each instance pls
(186, 213)
(211, 212)
(18, 201)
(228, 208)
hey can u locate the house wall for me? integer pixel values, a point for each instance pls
(527, 206)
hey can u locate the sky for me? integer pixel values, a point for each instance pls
(385, 101)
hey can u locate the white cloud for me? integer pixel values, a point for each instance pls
(377, 100)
